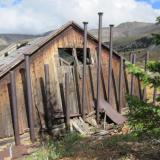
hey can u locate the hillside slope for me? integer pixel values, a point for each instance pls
(130, 35)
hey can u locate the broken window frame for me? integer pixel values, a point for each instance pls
(73, 53)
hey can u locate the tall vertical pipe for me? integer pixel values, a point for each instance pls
(110, 64)
(14, 108)
(99, 64)
(84, 70)
(29, 98)
(132, 76)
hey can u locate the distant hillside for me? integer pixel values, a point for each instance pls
(7, 39)
(130, 35)
(126, 36)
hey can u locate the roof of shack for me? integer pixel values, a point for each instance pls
(17, 56)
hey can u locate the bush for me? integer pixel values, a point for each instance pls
(53, 150)
(144, 118)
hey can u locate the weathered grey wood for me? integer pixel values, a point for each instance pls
(126, 79)
(140, 89)
(115, 90)
(154, 95)
(132, 76)
(144, 90)
(120, 84)
(14, 108)
(47, 96)
(77, 86)
(67, 110)
(29, 98)
(74, 53)
(77, 128)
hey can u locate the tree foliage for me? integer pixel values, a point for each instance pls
(144, 117)
(156, 36)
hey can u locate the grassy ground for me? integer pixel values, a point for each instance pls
(117, 147)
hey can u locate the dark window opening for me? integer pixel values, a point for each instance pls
(79, 52)
(68, 57)
(65, 56)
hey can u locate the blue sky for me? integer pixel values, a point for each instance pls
(38, 16)
(154, 3)
(9, 3)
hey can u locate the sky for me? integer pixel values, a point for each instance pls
(39, 16)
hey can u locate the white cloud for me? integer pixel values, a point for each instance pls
(37, 16)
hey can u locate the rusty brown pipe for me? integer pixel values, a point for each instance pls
(84, 70)
(99, 64)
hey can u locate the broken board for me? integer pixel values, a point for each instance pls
(116, 117)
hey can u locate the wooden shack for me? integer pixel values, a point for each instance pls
(58, 50)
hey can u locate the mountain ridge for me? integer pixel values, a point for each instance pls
(124, 34)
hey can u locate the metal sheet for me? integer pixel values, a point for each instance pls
(111, 113)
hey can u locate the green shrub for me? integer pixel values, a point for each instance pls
(144, 118)
(53, 150)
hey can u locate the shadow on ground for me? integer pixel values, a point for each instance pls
(117, 147)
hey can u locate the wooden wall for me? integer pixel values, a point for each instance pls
(49, 55)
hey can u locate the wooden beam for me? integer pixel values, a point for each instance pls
(67, 110)
(115, 90)
(132, 76)
(120, 84)
(14, 108)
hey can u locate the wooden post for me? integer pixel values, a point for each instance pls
(14, 108)
(47, 96)
(67, 110)
(120, 84)
(126, 78)
(132, 76)
(144, 90)
(154, 95)
(115, 90)
(140, 89)
(29, 98)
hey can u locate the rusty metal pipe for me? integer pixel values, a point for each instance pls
(84, 70)
(99, 64)
(67, 110)
(29, 98)
(110, 63)
(14, 108)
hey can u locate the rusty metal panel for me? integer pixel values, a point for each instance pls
(111, 113)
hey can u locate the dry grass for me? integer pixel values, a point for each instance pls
(117, 147)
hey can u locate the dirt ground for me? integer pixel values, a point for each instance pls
(100, 147)
(114, 148)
